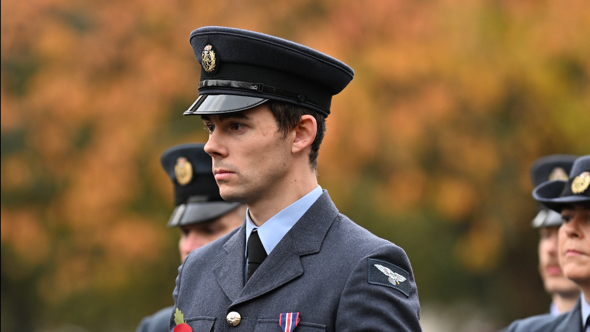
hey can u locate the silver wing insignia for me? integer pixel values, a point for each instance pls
(393, 278)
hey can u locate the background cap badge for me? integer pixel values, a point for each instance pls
(558, 174)
(183, 171)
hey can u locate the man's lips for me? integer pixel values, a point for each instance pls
(221, 174)
(572, 252)
(553, 270)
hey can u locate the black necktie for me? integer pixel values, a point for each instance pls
(256, 253)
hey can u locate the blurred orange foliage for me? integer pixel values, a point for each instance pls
(451, 103)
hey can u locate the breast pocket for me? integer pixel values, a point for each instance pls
(272, 325)
(201, 323)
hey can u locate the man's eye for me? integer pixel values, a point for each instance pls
(210, 230)
(236, 126)
(209, 128)
(566, 218)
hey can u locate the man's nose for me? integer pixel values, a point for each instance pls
(213, 147)
(572, 227)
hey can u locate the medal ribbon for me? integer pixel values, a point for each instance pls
(288, 321)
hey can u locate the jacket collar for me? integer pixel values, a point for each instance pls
(284, 262)
(573, 319)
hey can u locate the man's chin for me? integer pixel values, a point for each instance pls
(231, 196)
(563, 287)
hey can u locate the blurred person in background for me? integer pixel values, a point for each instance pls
(571, 198)
(563, 291)
(200, 213)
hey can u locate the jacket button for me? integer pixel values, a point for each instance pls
(233, 318)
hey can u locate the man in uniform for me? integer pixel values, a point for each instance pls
(563, 291)
(571, 198)
(296, 263)
(200, 213)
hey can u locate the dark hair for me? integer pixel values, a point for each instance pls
(288, 116)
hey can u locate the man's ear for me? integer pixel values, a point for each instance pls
(305, 132)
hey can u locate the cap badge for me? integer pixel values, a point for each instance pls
(394, 278)
(208, 59)
(580, 183)
(558, 174)
(183, 171)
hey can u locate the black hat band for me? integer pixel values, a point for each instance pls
(270, 84)
(252, 86)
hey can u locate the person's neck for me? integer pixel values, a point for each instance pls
(565, 302)
(289, 190)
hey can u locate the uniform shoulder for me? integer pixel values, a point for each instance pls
(354, 233)
(540, 323)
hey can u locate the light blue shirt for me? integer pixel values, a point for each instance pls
(553, 309)
(272, 231)
(585, 313)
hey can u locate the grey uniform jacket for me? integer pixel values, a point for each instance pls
(157, 322)
(566, 322)
(324, 268)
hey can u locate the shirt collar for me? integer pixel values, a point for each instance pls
(273, 231)
(585, 310)
(553, 309)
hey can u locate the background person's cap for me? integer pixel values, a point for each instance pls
(242, 69)
(196, 194)
(550, 168)
(557, 194)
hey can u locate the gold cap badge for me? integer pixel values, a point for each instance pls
(580, 183)
(183, 171)
(558, 174)
(208, 59)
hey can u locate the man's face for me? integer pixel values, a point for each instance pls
(551, 273)
(574, 244)
(197, 235)
(250, 156)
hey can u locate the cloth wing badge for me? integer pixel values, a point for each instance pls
(288, 321)
(394, 278)
(386, 274)
(181, 325)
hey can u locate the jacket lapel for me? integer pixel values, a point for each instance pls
(573, 321)
(230, 270)
(284, 262)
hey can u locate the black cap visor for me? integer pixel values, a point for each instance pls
(549, 193)
(216, 104)
(194, 213)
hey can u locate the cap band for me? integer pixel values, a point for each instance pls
(253, 86)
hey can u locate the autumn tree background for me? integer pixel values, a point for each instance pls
(430, 145)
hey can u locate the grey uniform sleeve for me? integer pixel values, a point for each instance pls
(157, 322)
(380, 294)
